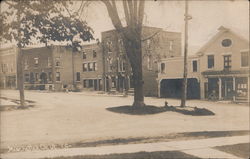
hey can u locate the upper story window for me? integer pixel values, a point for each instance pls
(210, 61)
(150, 62)
(245, 59)
(57, 61)
(148, 43)
(90, 67)
(109, 45)
(84, 55)
(195, 66)
(171, 43)
(120, 43)
(226, 42)
(94, 54)
(36, 61)
(227, 62)
(110, 61)
(78, 76)
(84, 67)
(95, 66)
(163, 68)
(26, 64)
(121, 65)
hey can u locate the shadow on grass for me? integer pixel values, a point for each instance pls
(150, 109)
(30, 104)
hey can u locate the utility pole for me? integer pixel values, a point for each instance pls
(184, 84)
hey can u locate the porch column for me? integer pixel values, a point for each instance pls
(248, 89)
(234, 89)
(220, 88)
(97, 84)
(159, 88)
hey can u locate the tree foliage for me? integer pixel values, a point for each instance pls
(43, 21)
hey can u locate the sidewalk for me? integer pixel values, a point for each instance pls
(201, 148)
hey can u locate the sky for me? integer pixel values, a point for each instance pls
(207, 17)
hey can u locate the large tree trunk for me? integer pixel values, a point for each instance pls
(136, 63)
(20, 76)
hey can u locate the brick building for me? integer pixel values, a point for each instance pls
(47, 68)
(117, 70)
(8, 68)
(220, 69)
(88, 67)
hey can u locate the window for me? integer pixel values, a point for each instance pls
(32, 78)
(26, 64)
(244, 59)
(78, 76)
(49, 61)
(120, 43)
(171, 45)
(84, 55)
(110, 61)
(50, 76)
(84, 67)
(91, 83)
(57, 61)
(226, 42)
(162, 67)
(194, 64)
(85, 83)
(227, 61)
(121, 66)
(109, 45)
(210, 61)
(90, 66)
(58, 76)
(36, 61)
(94, 54)
(36, 76)
(148, 43)
(95, 66)
(27, 77)
(150, 62)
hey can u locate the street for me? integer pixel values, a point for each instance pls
(73, 117)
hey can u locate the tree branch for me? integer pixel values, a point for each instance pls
(141, 12)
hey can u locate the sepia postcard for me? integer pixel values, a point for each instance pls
(124, 79)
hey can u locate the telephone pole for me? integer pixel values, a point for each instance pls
(184, 84)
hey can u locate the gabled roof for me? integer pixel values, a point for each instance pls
(221, 30)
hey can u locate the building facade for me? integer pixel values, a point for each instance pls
(8, 67)
(47, 68)
(222, 68)
(117, 70)
(88, 67)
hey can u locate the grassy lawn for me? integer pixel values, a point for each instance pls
(240, 150)
(138, 155)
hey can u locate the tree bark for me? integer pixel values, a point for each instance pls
(20, 76)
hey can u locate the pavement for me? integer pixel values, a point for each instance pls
(202, 148)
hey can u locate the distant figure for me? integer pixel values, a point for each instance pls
(212, 96)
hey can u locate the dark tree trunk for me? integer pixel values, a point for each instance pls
(20, 76)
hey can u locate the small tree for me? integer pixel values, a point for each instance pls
(24, 21)
(131, 35)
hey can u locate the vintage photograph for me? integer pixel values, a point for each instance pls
(124, 79)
